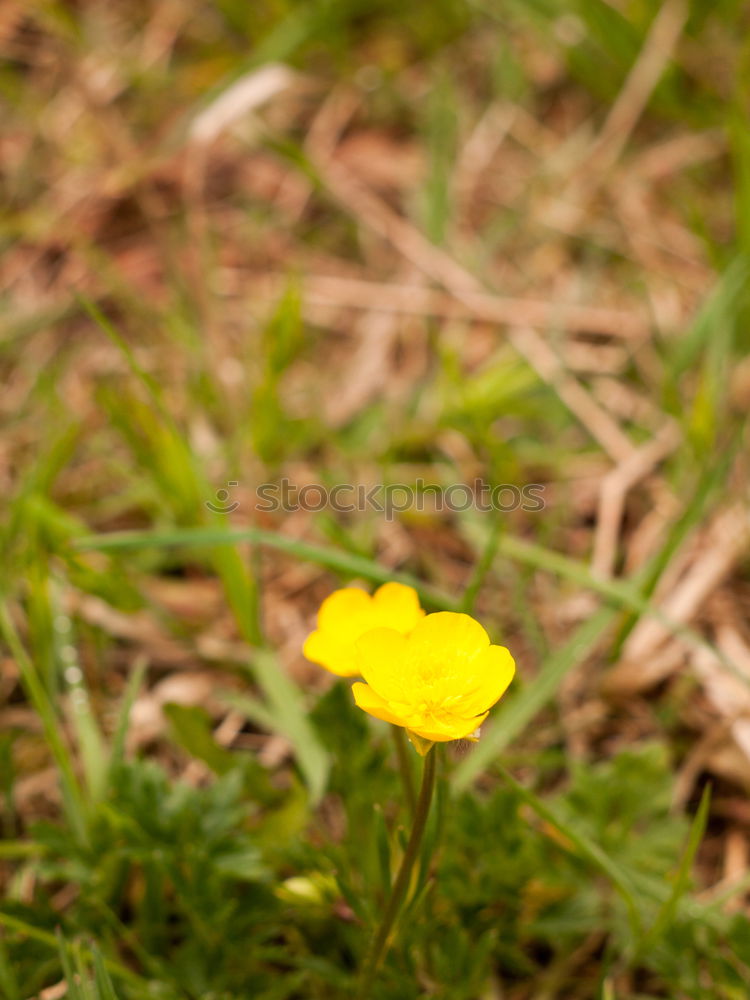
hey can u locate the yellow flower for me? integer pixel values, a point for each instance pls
(347, 614)
(439, 681)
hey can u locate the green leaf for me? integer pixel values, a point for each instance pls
(245, 864)
(191, 728)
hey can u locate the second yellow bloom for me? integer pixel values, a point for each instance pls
(347, 614)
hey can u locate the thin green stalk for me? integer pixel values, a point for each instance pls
(482, 568)
(40, 699)
(620, 594)
(45, 937)
(335, 559)
(398, 892)
(402, 756)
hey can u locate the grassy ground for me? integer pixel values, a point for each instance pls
(364, 243)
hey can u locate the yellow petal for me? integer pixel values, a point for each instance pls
(448, 632)
(443, 651)
(397, 607)
(456, 729)
(372, 703)
(384, 665)
(492, 672)
(345, 611)
(335, 656)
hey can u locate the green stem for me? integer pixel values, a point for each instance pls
(402, 756)
(398, 892)
(45, 709)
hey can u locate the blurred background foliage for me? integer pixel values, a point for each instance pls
(363, 243)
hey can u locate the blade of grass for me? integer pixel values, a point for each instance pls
(117, 748)
(37, 695)
(49, 939)
(617, 592)
(441, 129)
(75, 990)
(8, 980)
(145, 378)
(518, 710)
(88, 736)
(585, 848)
(334, 559)
(167, 448)
(482, 567)
(289, 716)
(102, 978)
(21, 528)
(252, 708)
(284, 712)
(20, 849)
(711, 480)
(668, 910)
(740, 147)
(382, 842)
(717, 314)
(8, 815)
(620, 593)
